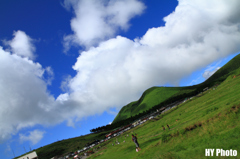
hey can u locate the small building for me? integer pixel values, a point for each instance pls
(32, 155)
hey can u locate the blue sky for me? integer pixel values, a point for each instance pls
(67, 66)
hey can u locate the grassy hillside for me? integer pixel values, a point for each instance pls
(151, 97)
(157, 95)
(210, 120)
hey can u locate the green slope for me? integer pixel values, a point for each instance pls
(151, 97)
(210, 120)
(157, 95)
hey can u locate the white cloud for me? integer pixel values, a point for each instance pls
(71, 123)
(21, 89)
(22, 45)
(50, 74)
(34, 136)
(97, 20)
(64, 84)
(24, 97)
(63, 97)
(209, 73)
(195, 81)
(211, 69)
(117, 71)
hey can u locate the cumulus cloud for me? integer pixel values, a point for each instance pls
(33, 136)
(22, 45)
(97, 20)
(21, 90)
(24, 98)
(118, 70)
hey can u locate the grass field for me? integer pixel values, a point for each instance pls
(211, 120)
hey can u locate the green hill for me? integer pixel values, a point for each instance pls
(151, 97)
(210, 120)
(157, 95)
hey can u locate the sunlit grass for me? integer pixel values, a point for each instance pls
(209, 121)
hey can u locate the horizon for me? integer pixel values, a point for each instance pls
(69, 66)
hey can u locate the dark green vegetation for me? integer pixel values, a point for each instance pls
(209, 120)
(157, 97)
(66, 146)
